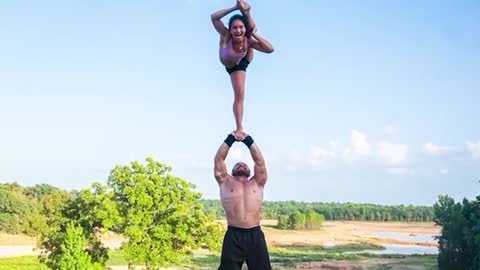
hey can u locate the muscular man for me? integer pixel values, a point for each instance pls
(242, 198)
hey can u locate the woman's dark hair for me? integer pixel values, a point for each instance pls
(238, 17)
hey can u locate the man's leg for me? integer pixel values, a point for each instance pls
(232, 257)
(258, 258)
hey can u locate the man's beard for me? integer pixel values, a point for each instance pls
(241, 173)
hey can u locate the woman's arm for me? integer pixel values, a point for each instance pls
(260, 44)
(216, 20)
(245, 9)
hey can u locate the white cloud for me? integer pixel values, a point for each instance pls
(319, 155)
(397, 171)
(347, 154)
(359, 143)
(474, 149)
(435, 150)
(393, 154)
(390, 130)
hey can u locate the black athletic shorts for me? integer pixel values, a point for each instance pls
(240, 66)
(244, 245)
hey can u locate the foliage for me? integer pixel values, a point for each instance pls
(94, 211)
(298, 221)
(336, 211)
(313, 220)
(24, 210)
(163, 219)
(459, 243)
(68, 252)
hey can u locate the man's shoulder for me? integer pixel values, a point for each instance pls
(223, 178)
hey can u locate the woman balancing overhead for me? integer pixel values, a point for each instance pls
(236, 51)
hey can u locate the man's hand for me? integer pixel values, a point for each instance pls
(239, 135)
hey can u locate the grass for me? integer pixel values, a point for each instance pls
(291, 255)
(285, 256)
(21, 263)
(428, 262)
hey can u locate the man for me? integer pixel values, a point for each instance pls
(242, 198)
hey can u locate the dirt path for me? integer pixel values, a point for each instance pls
(26, 250)
(10, 251)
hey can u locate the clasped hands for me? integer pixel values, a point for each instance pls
(239, 135)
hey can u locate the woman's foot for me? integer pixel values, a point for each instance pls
(239, 134)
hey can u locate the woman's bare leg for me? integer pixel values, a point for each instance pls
(238, 84)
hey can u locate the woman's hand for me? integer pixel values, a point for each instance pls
(243, 6)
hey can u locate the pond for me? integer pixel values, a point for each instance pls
(404, 250)
(406, 236)
(398, 249)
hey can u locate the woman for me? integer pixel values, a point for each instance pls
(236, 51)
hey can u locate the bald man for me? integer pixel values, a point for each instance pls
(242, 198)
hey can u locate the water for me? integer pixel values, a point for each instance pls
(399, 249)
(407, 236)
(405, 250)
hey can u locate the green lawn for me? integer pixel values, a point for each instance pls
(21, 263)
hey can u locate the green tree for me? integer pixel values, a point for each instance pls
(296, 221)
(459, 243)
(94, 210)
(163, 218)
(313, 220)
(18, 214)
(282, 223)
(69, 251)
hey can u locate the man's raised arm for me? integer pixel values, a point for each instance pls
(260, 169)
(220, 169)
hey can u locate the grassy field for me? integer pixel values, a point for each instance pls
(286, 257)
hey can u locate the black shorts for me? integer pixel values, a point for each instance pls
(240, 66)
(244, 245)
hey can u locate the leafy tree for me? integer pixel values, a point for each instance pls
(459, 243)
(163, 219)
(94, 211)
(68, 252)
(296, 221)
(313, 220)
(18, 214)
(282, 223)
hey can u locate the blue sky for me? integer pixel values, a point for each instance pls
(362, 101)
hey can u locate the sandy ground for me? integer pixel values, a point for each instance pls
(334, 232)
(342, 232)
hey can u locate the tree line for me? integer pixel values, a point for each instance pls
(336, 211)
